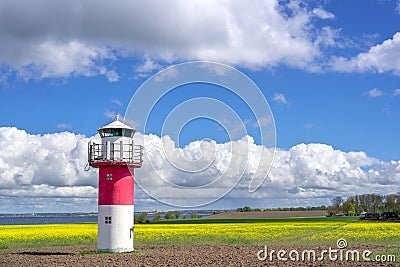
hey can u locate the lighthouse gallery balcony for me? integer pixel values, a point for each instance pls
(117, 146)
(118, 152)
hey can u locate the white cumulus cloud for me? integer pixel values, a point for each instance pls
(63, 126)
(280, 98)
(45, 39)
(322, 13)
(384, 57)
(375, 92)
(51, 166)
(44, 59)
(44, 164)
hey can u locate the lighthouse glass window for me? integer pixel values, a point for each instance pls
(109, 177)
(110, 132)
(128, 133)
(107, 220)
(116, 132)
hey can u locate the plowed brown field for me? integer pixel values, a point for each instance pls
(199, 255)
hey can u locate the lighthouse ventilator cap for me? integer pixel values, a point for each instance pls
(203, 171)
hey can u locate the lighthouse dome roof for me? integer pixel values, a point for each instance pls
(116, 124)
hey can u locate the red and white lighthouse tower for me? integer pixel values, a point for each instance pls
(116, 157)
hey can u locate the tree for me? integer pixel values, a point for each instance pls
(329, 211)
(390, 204)
(397, 206)
(246, 209)
(337, 203)
(348, 208)
(157, 217)
(194, 215)
(377, 202)
(177, 213)
(169, 215)
(142, 218)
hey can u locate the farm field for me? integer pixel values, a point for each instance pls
(289, 231)
(80, 239)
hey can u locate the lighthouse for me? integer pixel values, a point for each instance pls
(116, 157)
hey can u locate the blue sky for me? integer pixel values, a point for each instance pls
(328, 69)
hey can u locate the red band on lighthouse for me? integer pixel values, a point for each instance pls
(116, 185)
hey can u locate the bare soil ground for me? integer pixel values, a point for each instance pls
(199, 255)
(270, 214)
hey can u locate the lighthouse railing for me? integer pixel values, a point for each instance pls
(115, 152)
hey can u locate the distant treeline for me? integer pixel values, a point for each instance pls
(371, 203)
(170, 215)
(248, 209)
(354, 205)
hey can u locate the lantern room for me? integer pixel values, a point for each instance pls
(117, 144)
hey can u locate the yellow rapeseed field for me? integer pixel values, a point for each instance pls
(380, 232)
(324, 232)
(271, 232)
(15, 236)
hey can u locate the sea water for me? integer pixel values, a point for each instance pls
(26, 219)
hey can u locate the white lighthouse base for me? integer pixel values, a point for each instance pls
(115, 228)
